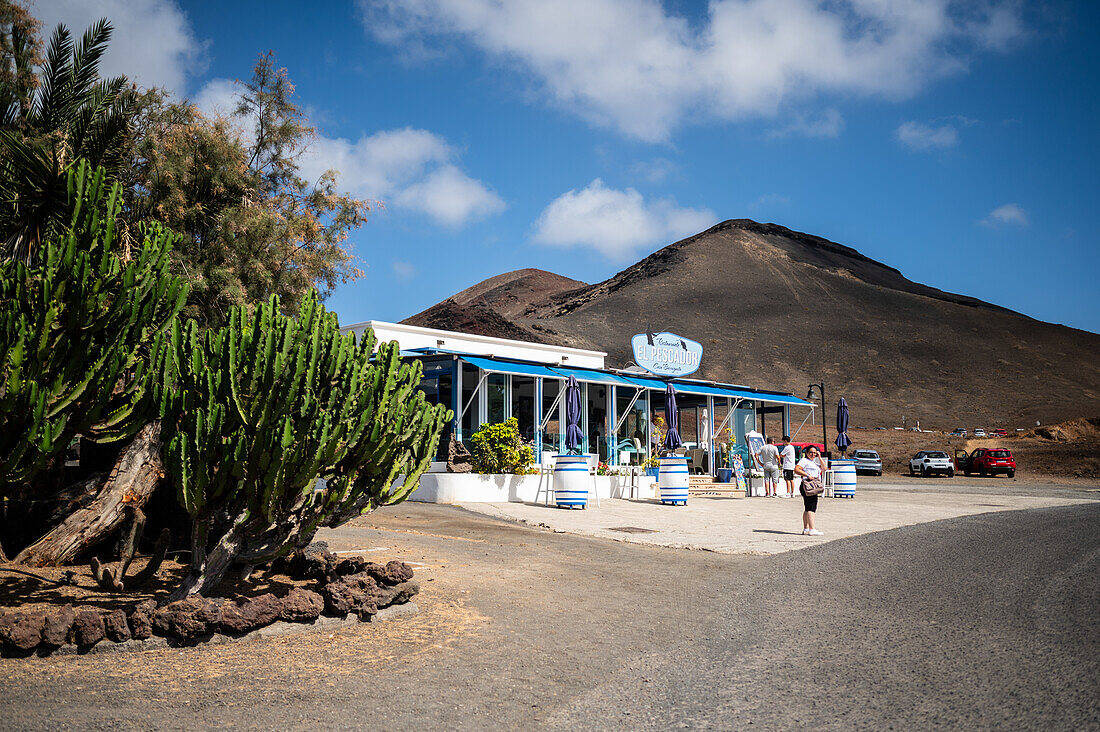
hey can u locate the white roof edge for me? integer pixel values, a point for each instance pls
(374, 324)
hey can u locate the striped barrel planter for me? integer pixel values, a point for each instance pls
(844, 478)
(672, 480)
(571, 481)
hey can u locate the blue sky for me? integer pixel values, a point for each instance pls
(956, 141)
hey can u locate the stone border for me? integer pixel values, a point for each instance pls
(277, 629)
(348, 590)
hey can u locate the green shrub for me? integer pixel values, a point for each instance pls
(498, 448)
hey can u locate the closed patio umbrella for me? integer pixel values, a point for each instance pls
(842, 440)
(672, 437)
(573, 434)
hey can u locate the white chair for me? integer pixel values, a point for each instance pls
(593, 463)
(546, 477)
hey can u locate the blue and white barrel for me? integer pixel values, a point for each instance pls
(672, 480)
(844, 478)
(571, 481)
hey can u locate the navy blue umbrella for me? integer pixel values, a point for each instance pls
(842, 440)
(672, 437)
(573, 434)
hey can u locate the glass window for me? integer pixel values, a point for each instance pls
(523, 405)
(552, 431)
(496, 387)
(437, 390)
(595, 396)
(633, 433)
(744, 421)
(470, 377)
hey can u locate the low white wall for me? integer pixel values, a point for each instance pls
(475, 488)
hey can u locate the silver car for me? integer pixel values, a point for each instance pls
(867, 461)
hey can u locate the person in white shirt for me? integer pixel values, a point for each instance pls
(787, 454)
(809, 467)
(768, 461)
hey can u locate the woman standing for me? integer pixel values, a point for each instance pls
(809, 469)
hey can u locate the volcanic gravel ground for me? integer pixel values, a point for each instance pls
(982, 622)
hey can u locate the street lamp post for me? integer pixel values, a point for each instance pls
(820, 386)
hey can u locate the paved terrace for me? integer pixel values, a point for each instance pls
(738, 525)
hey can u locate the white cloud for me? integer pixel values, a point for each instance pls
(924, 137)
(616, 223)
(829, 124)
(403, 270)
(1008, 214)
(152, 44)
(637, 67)
(413, 168)
(450, 197)
(217, 96)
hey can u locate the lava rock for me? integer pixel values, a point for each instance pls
(58, 624)
(141, 620)
(393, 573)
(396, 594)
(24, 630)
(249, 614)
(310, 564)
(301, 605)
(356, 593)
(187, 618)
(351, 565)
(88, 628)
(115, 626)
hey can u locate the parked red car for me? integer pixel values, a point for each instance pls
(986, 461)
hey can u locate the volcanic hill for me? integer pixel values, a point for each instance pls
(776, 308)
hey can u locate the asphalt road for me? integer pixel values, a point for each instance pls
(984, 622)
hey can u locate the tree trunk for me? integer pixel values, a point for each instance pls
(208, 569)
(133, 479)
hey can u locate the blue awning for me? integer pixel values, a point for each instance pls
(591, 376)
(718, 390)
(508, 367)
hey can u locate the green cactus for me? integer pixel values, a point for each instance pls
(262, 407)
(76, 330)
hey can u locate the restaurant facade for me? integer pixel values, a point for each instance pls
(486, 380)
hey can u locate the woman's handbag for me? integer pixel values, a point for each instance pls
(813, 486)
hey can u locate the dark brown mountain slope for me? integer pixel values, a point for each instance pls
(776, 308)
(512, 293)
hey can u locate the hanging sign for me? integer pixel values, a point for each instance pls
(666, 354)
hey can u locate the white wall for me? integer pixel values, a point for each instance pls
(411, 336)
(475, 488)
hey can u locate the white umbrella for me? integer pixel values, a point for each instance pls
(704, 431)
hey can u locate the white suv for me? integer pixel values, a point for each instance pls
(930, 462)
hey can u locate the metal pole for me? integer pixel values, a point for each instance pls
(824, 421)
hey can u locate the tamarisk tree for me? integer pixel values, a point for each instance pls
(265, 405)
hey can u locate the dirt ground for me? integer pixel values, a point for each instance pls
(1037, 458)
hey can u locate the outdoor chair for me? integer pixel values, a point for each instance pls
(546, 477)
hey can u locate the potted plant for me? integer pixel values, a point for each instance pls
(652, 467)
